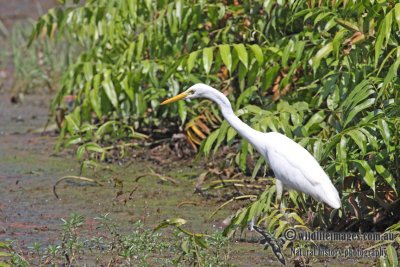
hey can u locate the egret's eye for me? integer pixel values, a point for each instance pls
(190, 92)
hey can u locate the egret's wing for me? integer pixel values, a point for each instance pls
(298, 169)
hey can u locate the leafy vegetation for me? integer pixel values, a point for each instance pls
(111, 245)
(322, 72)
(39, 66)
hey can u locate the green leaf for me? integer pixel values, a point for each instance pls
(359, 138)
(94, 96)
(397, 14)
(386, 175)
(192, 60)
(322, 53)
(4, 245)
(384, 32)
(226, 56)
(389, 78)
(242, 52)
(5, 254)
(94, 147)
(286, 54)
(257, 167)
(342, 156)
(371, 138)
(105, 128)
(109, 89)
(366, 173)
(127, 88)
(366, 104)
(182, 111)
(222, 134)
(231, 133)
(73, 124)
(315, 119)
(385, 131)
(258, 54)
(243, 155)
(348, 25)
(207, 58)
(392, 256)
(139, 47)
(210, 141)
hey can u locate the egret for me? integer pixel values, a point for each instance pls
(294, 167)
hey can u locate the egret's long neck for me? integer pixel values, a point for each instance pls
(241, 128)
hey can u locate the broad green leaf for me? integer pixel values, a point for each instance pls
(73, 141)
(366, 104)
(371, 138)
(207, 58)
(258, 54)
(348, 25)
(299, 46)
(109, 89)
(391, 74)
(243, 155)
(286, 54)
(226, 56)
(257, 167)
(231, 133)
(314, 120)
(5, 254)
(88, 71)
(139, 47)
(94, 147)
(366, 173)
(385, 131)
(182, 111)
(73, 124)
(222, 135)
(397, 14)
(192, 60)
(360, 139)
(105, 128)
(387, 176)
(383, 34)
(242, 52)
(322, 53)
(392, 256)
(210, 141)
(127, 88)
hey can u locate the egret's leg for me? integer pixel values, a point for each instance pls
(279, 193)
(250, 225)
(279, 190)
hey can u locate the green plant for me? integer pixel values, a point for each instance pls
(109, 244)
(39, 66)
(198, 249)
(321, 72)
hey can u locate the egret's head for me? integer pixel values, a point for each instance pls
(195, 91)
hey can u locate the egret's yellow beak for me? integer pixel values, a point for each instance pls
(175, 98)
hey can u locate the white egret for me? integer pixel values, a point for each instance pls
(293, 166)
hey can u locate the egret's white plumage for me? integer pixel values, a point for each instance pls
(293, 166)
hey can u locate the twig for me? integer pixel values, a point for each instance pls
(73, 178)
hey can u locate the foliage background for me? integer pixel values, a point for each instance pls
(324, 73)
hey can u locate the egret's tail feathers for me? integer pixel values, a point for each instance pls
(331, 197)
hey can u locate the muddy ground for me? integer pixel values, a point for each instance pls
(30, 212)
(29, 168)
